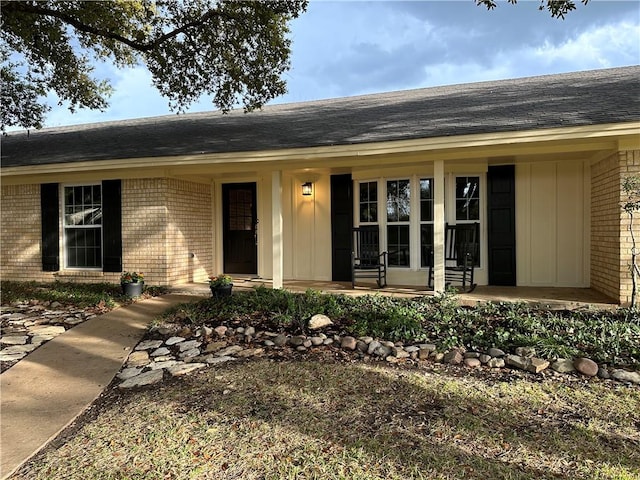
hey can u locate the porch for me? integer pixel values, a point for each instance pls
(557, 298)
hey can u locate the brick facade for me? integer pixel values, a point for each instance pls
(163, 222)
(610, 235)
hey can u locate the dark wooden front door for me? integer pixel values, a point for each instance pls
(239, 228)
(341, 225)
(502, 225)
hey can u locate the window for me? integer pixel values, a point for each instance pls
(468, 209)
(426, 222)
(368, 202)
(398, 217)
(467, 198)
(83, 226)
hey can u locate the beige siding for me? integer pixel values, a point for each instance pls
(551, 234)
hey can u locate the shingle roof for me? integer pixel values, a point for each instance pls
(573, 99)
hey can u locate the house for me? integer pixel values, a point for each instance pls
(538, 162)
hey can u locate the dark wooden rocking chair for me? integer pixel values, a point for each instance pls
(366, 259)
(461, 252)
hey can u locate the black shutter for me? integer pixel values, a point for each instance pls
(49, 210)
(111, 226)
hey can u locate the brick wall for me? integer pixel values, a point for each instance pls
(21, 234)
(190, 236)
(163, 221)
(610, 236)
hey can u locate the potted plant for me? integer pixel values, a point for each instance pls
(132, 283)
(221, 285)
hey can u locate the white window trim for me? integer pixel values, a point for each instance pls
(414, 215)
(63, 229)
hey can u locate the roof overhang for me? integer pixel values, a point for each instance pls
(592, 138)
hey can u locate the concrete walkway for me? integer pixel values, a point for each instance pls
(48, 389)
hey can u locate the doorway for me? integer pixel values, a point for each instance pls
(239, 232)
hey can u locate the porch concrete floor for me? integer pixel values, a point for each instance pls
(561, 298)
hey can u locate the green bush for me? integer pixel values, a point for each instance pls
(605, 336)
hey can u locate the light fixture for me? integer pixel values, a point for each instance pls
(307, 189)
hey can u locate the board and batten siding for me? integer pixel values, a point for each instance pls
(552, 224)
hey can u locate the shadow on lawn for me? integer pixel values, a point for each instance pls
(464, 432)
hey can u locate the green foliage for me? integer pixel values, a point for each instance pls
(82, 295)
(234, 51)
(604, 336)
(557, 8)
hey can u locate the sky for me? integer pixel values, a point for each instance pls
(345, 48)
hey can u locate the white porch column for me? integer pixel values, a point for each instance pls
(438, 226)
(276, 228)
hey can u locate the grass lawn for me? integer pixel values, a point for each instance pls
(324, 418)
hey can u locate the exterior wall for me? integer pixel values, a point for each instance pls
(552, 217)
(610, 235)
(163, 221)
(21, 234)
(189, 232)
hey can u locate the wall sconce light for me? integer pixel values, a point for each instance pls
(307, 189)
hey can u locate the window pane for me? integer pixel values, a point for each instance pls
(426, 245)
(467, 198)
(368, 202)
(83, 220)
(398, 245)
(426, 200)
(398, 200)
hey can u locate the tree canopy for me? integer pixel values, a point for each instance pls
(234, 51)
(557, 8)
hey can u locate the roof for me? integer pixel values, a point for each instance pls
(573, 99)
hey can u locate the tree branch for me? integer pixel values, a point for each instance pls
(82, 27)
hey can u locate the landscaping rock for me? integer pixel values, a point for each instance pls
(625, 376)
(471, 355)
(563, 365)
(249, 332)
(348, 343)
(537, 365)
(586, 366)
(231, 350)
(382, 351)
(250, 352)
(280, 340)
(214, 347)
(139, 358)
(319, 321)
(516, 361)
(163, 364)
(495, 352)
(146, 378)
(484, 358)
(603, 373)
(371, 347)
(495, 363)
(184, 368)
(129, 372)
(14, 340)
(316, 341)
(429, 347)
(160, 352)
(221, 330)
(453, 357)
(174, 340)
(472, 362)
(361, 346)
(528, 352)
(149, 345)
(219, 360)
(297, 340)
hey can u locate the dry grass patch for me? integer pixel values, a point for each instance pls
(331, 420)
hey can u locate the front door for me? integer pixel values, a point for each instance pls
(341, 225)
(502, 225)
(240, 240)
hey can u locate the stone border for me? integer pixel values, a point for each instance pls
(178, 351)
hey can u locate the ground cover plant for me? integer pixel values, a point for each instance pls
(331, 418)
(605, 336)
(82, 295)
